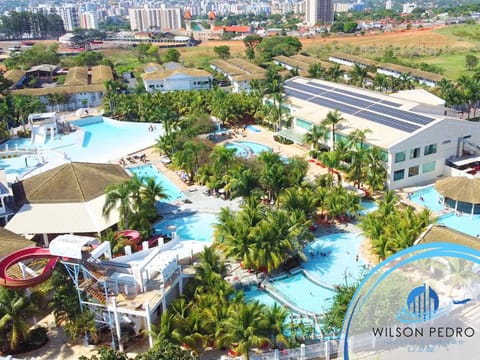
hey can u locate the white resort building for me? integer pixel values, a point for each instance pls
(421, 140)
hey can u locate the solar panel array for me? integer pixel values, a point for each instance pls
(380, 111)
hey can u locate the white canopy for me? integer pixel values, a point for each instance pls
(61, 218)
(71, 245)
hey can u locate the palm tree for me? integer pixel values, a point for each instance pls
(316, 133)
(359, 137)
(333, 119)
(375, 172)
(191, 157)
(316, 71)
(334, 73)
(358, 75)
(242, 329)
(119, 196)
(380, 82)
(15, 308)
(150, 192)
(406, 81)
(275, 317)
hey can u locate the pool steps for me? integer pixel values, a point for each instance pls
(286, 303)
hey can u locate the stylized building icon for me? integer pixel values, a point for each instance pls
(422, 305)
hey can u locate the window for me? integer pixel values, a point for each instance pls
(400, 156)
(430, 149)
(427, 167)
(413, 171)
(414, 153)
(398, 175)
(304, 124)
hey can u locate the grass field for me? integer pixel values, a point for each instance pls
(454, 41)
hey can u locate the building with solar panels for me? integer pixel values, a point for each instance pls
(417, 139)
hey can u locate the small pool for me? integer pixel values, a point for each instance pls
(253, 128)
(194, 227)
(247, 148)
(368, 206)
(428, 197)
(170, 188)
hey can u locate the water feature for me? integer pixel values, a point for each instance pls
(198, 226)
(170, 189)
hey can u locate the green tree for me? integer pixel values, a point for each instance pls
(222, 51)
(15, 309)
(316, 71)
(333, 119)
(251, 42)
(471, 62)
(171, 55)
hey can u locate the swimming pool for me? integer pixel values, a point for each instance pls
(99, 140)
(464, 223)
(253, 128)
(301, 292)
(193, 227)
(428, 197)
(149, 170)
(333, 258)
(368, 206)
(247, 148)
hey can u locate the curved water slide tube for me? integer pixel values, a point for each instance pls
(39, 135)
(133, 236)
(22, 255)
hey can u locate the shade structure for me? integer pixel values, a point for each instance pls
(460, 188)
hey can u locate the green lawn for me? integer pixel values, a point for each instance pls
(463, 32)
(453, 64)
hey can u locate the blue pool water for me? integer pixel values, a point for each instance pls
(464, 223)
(104, 140)
(195, 227)
(149, 170)
(247, 148)
(260, 296)
(298, 290)
(368, 206)
(428, 197)
(333, 257)
(253, 128)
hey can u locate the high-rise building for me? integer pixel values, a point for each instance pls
(318, 11)
(69, 15)
(89, 20)
(164, 19)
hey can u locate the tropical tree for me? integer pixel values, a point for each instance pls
(358, 75)
(15, 309)
(316, 71)
(375, 173)
(333, 119)
(119, 196)
(194, 153)
(242, 329)
(316, 133)
(335, 73)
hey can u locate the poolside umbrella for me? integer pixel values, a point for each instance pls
(460, 188)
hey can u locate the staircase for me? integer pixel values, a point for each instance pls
(97, 295)
(94, 270)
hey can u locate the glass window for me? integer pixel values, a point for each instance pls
(430, 149)
(413, 171)
(414, 153)
(400, 156)
(427, 167)
(304, 124)
(398, 175)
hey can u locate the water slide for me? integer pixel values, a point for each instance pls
(133, 237)
(39, 135)
(22, 255)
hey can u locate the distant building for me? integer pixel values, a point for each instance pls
(408, 8)
(89, 20)
(165, 19)
(239, 72)
(388, 5)
(174, 78)
(69, 15)
(318, 11)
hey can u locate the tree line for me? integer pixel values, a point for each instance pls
(35, 25)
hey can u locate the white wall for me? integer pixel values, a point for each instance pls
(445, 134)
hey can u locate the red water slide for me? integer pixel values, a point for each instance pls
(133, 237)
(22, 255)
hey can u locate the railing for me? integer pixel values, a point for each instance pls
(322, 350)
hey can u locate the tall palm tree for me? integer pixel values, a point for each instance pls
(380, 82)
(242, 329)
(120, 196)
(334, 73)
(316, 133)
(275, 317)
(358, 137)
(15, 309)
(375, 172)
(333, 119)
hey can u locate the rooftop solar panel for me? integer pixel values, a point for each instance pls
(402, 114)
(388, 121)
(351, 93)
(381, 114)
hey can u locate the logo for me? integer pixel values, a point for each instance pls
(422, 305)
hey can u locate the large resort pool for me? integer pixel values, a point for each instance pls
(97, 139)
